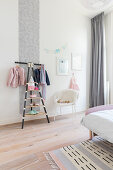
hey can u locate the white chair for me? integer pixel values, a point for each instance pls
(66, 98)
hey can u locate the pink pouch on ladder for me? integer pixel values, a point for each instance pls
(31, 87)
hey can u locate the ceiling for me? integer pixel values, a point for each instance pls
(94, 7)
(96, 4)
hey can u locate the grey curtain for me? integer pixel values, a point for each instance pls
(97, 61)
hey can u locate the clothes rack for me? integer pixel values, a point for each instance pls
(30, 66)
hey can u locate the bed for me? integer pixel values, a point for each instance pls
(99, 120)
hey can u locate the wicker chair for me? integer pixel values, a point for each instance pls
(66, 98)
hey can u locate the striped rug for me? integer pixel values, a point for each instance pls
(96, 154)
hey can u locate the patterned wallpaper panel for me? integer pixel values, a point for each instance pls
(28, 36)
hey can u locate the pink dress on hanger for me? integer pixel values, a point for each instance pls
(73, 84)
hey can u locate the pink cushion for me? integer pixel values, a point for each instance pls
(99, 108)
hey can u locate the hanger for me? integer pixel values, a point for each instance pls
(73, 74)
(17, 66)
(39, 67)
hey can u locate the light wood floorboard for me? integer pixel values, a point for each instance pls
(23, 149)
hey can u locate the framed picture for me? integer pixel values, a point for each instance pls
(76, 62)
(62, 66)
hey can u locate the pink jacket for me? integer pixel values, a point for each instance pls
(16, 77)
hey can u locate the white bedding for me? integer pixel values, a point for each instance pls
(101, 123)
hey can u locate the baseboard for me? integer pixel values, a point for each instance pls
(18, 120)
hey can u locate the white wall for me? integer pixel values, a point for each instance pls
(9, 98)
(109, 51)
(61, 23)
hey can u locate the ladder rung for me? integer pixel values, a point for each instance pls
(34, 90)
(34, 98)
(35, 106)
(40, 113)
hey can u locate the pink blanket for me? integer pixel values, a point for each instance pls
(99, 108)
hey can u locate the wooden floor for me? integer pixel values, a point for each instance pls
(23, 149)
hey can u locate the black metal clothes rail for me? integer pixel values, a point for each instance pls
(30, 66)
(17, 62)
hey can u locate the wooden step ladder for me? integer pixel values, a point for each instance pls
(30, 66)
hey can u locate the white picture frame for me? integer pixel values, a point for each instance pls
(76, 62)
(62, 66)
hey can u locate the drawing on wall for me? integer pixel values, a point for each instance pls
(62, 66)
(76, 62)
